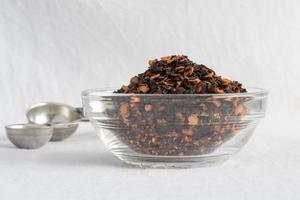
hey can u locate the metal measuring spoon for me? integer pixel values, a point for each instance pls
(29, 136)
(63, 117)
(62, 131)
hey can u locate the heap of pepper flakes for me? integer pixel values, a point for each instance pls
(179, 75)
(187, 125)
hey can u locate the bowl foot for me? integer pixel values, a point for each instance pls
(173, 161)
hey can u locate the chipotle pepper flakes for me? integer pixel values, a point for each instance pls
(135, 99)
(144, 88)
(194, 81)
(148, 107)
(152, 62)
(125, 88)
(193, 119)
(161, 107)
(240, 110)
(226, 81)
(187, 132)
(163, 77)
(124, 110)
(134, 80)
(190, 127)
(180, 117)
(154, 76)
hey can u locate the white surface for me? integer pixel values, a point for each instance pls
(81, 168)
(52, 50)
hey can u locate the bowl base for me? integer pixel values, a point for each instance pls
(173, 161)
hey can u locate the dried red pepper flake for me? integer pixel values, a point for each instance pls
(193, 119)
(134, 80)
(125, 88)
(148, 107)
(180, 117)
(124, 110)
(187, 132)
(135, 99)
(152, 62)
(143, 88)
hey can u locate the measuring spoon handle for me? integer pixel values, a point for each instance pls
(83, 118)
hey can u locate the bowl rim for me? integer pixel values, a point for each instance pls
(251, 92)
(28, 126)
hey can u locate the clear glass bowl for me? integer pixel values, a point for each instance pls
(167, 130)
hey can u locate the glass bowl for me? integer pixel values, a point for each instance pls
(174, 130)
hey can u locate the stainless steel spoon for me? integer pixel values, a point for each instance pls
(51, 112)
(63, 117)
(29, 136)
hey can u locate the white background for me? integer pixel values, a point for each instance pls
(51, 50)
